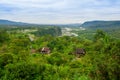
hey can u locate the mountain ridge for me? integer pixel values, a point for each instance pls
(100, 23)
(9, 22)
(87, 24)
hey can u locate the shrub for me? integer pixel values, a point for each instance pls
(5, 59)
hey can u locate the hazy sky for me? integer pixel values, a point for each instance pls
(59, 11)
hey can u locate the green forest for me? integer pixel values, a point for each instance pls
(20, 58)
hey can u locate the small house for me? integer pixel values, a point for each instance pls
(45, 50)
(79, 52)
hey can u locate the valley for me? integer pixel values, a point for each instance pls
(50, 52)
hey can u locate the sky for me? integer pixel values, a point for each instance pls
(59, 11)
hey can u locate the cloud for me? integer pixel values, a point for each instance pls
(59, 11)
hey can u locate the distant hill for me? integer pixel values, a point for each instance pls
(69, 25)
(101, 24)
(7, 22)
(88, 24)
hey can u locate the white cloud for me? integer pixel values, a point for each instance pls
(59, 11)
(33, 3)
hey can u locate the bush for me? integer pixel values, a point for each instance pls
(5, 59)
(22, 71)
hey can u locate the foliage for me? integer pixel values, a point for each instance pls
(53, 31)
(101, 61)
(4, 36)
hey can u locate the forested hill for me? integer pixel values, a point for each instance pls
(14, 23)
(8, 22)
(99, 24)
(87, 24)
